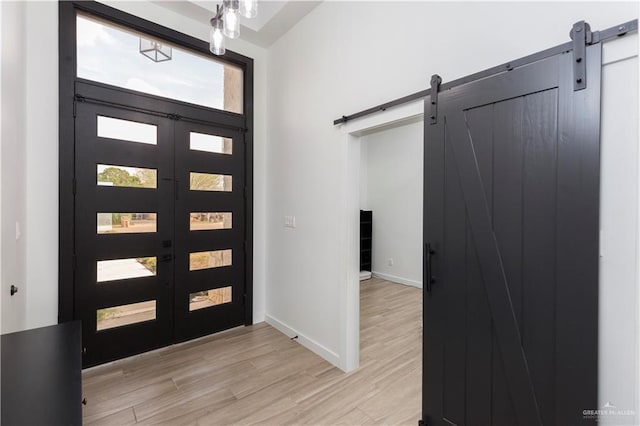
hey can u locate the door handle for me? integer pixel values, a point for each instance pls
(428, 278)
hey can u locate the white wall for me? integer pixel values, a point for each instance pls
(30, 155)
(13, 165)
(354, 65)
(2, 37)
(41, 131)
(1, 280)
(619, 295)
(393, 161)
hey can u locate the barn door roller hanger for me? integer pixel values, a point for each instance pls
(582, 36)
(436, 80)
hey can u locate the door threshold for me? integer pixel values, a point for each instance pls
(160, 351)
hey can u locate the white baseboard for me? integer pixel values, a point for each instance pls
(398, 280)
(305, 341)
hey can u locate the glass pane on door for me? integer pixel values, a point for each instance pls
(126, 130)
(210, 259)
(203, 221)
(117, 316)
(210, 143)
(210, 182)
(127, 223)
(208, 298)
(122, 269)
(128, 177)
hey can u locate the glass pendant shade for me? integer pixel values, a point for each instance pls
(231, 18)
(216, 37)
(249, 8)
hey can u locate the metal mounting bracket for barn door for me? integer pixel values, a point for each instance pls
(581, 37)
(436, 80)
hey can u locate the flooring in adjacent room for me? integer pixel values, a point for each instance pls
(256, 375)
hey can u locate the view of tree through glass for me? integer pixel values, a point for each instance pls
(209, 182)
(132, 177)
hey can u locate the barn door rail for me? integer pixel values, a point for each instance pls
(585, 37)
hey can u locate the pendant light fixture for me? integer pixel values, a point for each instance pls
(231, 18)
(226, 22)
(249, 8)
(216, 36)
(155, 50)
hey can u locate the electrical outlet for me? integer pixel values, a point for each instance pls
(390, 262)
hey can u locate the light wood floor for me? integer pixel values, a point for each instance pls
(256, 375)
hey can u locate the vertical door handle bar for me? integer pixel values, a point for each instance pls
(428, 280)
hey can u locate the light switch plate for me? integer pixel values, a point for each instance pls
(289, 221)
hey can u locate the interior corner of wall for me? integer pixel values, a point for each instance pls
(258, 317)
(309, 343)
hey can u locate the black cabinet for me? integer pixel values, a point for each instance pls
(366, 232)
(42, 376)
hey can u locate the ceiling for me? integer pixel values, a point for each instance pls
(274, 18)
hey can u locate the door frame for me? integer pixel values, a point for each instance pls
(348, 358)
(67, 82)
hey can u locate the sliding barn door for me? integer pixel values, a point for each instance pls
(511, 219)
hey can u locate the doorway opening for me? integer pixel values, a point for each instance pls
(372, 187)
(391, 205)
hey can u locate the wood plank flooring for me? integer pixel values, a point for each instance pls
(256, 375)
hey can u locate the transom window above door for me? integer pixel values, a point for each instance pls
(114, 55)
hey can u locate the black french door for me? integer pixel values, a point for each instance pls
(160, 219)
(511, 219)
(209, 231)
(110, 271)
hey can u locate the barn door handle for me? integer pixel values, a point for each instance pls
(428, 280)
